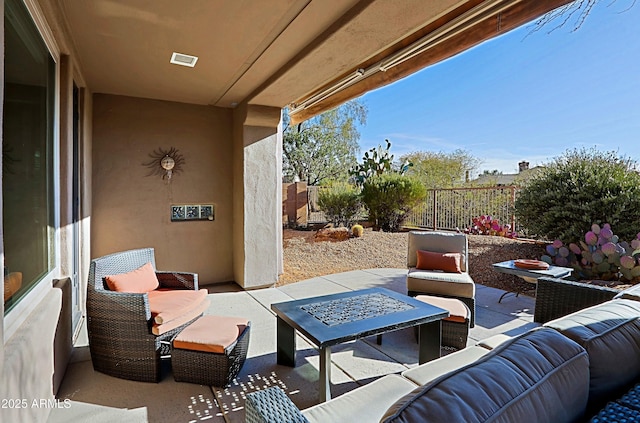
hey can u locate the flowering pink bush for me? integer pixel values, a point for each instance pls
(487, 225)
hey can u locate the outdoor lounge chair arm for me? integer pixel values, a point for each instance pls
(272, 405)
(120, 306)
(177, 280)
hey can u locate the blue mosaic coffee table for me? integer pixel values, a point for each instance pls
(333, 319)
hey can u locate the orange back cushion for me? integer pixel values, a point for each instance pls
(137, 281)
(447, 262)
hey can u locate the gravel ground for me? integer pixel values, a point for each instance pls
(304, 258)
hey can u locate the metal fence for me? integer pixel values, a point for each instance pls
(449, 209)
(314, 214)
(455, 208)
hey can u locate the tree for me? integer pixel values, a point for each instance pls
(493, 172)
(323, 148)
(441, 170)
(578, 10)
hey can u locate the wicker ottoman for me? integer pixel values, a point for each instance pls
(455, 328)
(211, 350)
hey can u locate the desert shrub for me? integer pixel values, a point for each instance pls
(389, 197)
(340, 203)
(580, 188)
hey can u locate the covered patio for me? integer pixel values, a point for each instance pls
(103, 398)
(97, 94)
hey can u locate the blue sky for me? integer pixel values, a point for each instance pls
(522, 96)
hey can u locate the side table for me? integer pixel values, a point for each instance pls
(529, 275)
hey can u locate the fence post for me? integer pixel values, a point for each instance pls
(302, 201)
(513, 203)
(285, 208)
(296, 203)
(435, 209)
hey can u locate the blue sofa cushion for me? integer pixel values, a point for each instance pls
(610, 332)
(539, 376)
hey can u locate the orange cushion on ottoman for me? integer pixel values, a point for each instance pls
(211, 350)
(455, 328)
(458, 311)
(210, 334)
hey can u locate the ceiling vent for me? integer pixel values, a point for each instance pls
(183, 59)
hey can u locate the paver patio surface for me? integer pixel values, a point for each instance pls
(99, 398)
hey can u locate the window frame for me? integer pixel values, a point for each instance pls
(29, 302)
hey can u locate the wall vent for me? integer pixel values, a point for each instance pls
(183, 59)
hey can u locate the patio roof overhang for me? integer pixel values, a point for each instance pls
(461, 29)
(272, 53)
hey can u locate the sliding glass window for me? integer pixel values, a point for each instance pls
(27, 155)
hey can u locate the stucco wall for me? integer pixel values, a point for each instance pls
(28, 364)
(132, 210)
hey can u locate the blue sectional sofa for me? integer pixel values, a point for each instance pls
(566, 371)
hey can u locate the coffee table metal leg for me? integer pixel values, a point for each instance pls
(286, 344)
(325, 374)
(429, 340)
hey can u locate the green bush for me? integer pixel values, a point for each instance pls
(389, 197)
(340, 203)
(578, 189)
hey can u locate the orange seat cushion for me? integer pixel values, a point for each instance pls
(138, 281)
(458, 311)
(167, 304)
(447, 262)
(157, 329)
(211, 334)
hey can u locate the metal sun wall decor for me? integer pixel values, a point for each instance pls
(165, 163)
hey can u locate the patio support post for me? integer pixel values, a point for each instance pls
(257, 195)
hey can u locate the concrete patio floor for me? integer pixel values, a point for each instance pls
(96, 397)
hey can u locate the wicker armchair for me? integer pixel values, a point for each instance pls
(119, 324)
